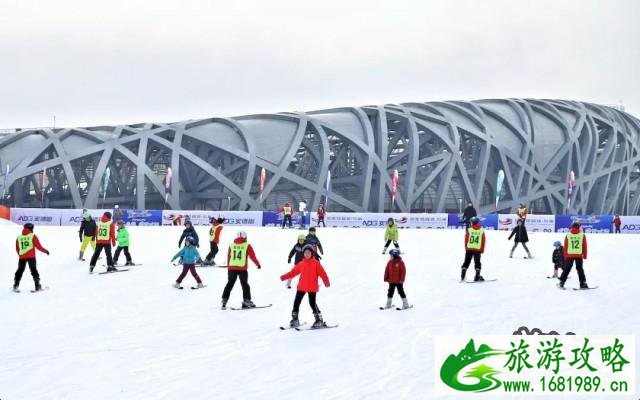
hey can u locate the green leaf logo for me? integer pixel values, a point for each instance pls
(453, 365)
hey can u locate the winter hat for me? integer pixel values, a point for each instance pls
(107, 214)
(187, 222)
(575, 225)
(475, 220)
(28, 226)
(312, 229)
(86, 215)
(307, 247)
(190, 240)
(242, 234)
(302, 237)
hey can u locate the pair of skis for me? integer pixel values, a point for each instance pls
(284, 328)
(192, 287)
(32, 290)
(397, 308)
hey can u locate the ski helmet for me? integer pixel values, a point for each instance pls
(395, 253)
(107, 214)
(474, 220)
(28, 226)
(312, 229)
(187, 222)
(557, 244)
(302, 237)
(86, 215)
(190, 240)
(575, 225)
(220, 220)
(390, 220)
(212, 219)
(242, 234)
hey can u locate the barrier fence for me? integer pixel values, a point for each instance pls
(535, 223)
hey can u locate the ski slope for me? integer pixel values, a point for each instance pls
(132, 336)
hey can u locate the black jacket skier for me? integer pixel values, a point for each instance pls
(468, 213)
(558, 257)
(87, 228)
(520, 231)
(189, 231)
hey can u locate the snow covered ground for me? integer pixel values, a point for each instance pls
(132, 336)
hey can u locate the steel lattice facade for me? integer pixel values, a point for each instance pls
(446, 153)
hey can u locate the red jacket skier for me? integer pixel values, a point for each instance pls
(474, 240)
(240, 251)
(575, 230)
(112, 231)
(26, 245)
(575, 251)
(309, 270)
(250, 255)
(395, 271)
(467, 245)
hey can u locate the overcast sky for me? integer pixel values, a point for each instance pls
(118, 62)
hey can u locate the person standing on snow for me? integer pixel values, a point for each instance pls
(521, 212)
(321, 213)
(297, 252)
(557, 257)
(26, 245)
(469, 213)
(122, 237)
(238, 255)
(575, 251)
(118, 215)
(309, 270)
(391, 235)
(474, 241)
(287, 212)
(521, 236)
(394, 275)
(87, 234)
(214, 239)
(616, 223)
(105, 239)
(302, 207)
(189, 256)
(314, 241)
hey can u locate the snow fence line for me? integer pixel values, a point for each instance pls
(534, 222)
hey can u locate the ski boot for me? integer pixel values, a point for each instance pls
(176, 285)
(463, 274)
(384, 251)
(529, 256)
(111, 268)
(583, 285)
(15, 289)
(511, 254)
(405, 304)
(388, 305)
(478, 277)
(319, 323)
(80, 257)
(129, 263)
(248, 304)
(224, 304)
(38, 286)
(560, 285)
(91, 267)
(200, 285)
(294, 323)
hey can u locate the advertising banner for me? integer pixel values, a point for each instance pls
(630, 224)
(239, 218)
(142, 217)
(74, 216)
(376, 220)
(428, 221)
(535, 223)
(590, 223)
(272, 218)
(488, 221)
(37, 216)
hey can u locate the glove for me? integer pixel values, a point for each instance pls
(282, 278)
(289, 261)
(46, 252)
(80, 240)
(259, 267)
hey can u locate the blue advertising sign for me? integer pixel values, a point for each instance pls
(272, 218)
(453, 222)
(143, 217)
(590, 223)
(489, 221)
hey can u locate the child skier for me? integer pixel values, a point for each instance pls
(474, 241)
(557, 258)
(391, 234)
(309, 270)
(297, 252)
(105, 239)
(321, 213)
(26, 243)
(237, 259)
(189, 255)
(88, 229)
(314, 241)
(122, 237)
(575, 250)
(214, 239)
(520, 231)
(394, 274)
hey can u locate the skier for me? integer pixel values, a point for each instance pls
(474, 241)
(394, 274)
(189, 256)
(521, 236)
(557, 258)
(122, 236)
(521, 212)
(189, 230)
(302, 207)
(287, 212)
(575, 250)
(321, 213)
(105, 239)
(87, 234)
(26, 243)
(297, 252)
(309, 270)
(214, 239)
(237, 261)
(314, 241)
(616, 223)
(118, 215)
(469, 213)
(391, 234)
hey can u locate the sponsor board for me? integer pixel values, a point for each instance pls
(142, 217)
(428, 221)
(553, 365)
(488, 221)
(238, 218)
(36, 216)
(273, 218)
(590, 223)
(74, 216)
(630, 224)
(534, 222)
